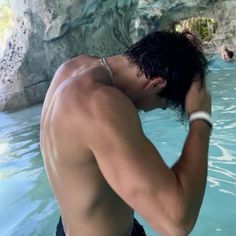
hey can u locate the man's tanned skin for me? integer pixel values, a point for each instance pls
(100, 164)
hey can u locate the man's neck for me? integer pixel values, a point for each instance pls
(125, 76)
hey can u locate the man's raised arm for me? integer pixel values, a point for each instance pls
(169, 199)
(191, 168)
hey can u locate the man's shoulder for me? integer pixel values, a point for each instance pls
(97, 103)
(109, 98)
(75, 61)
(111, 108)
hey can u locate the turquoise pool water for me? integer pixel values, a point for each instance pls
(27, 206)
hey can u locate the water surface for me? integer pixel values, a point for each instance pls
(27, 206)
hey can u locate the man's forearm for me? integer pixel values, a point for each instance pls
(191, 169)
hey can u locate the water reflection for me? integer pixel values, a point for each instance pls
(222, 160)
(3, 148)
(26, 202)
(222, 165)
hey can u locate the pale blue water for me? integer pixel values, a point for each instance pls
(27, 206)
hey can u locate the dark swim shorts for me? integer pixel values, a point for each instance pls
(137, 229)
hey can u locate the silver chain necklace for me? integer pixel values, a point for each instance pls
(103, 62)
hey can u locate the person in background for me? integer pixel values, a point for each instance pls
(226, 54)
(100, 164)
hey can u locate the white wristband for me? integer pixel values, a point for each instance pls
(200, 115)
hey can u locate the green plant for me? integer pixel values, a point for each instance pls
(202, 27)
(6, 21)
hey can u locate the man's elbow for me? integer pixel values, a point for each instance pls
(176, 220)
(177, 229)
(183, 229)
(182, 225)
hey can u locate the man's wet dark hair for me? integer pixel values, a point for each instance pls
(176, 57)
(230, 54)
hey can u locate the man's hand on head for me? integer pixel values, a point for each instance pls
(197, 98)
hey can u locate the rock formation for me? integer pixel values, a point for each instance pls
(47, 33)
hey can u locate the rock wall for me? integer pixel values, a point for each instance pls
(222, 11)
(47, 33)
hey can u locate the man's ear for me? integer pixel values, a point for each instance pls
(156, 84)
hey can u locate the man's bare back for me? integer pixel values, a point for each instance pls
(100, 164)
(88, 204)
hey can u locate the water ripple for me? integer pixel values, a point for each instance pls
(222, 165)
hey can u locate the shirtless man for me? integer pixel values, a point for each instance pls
(100, 165)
